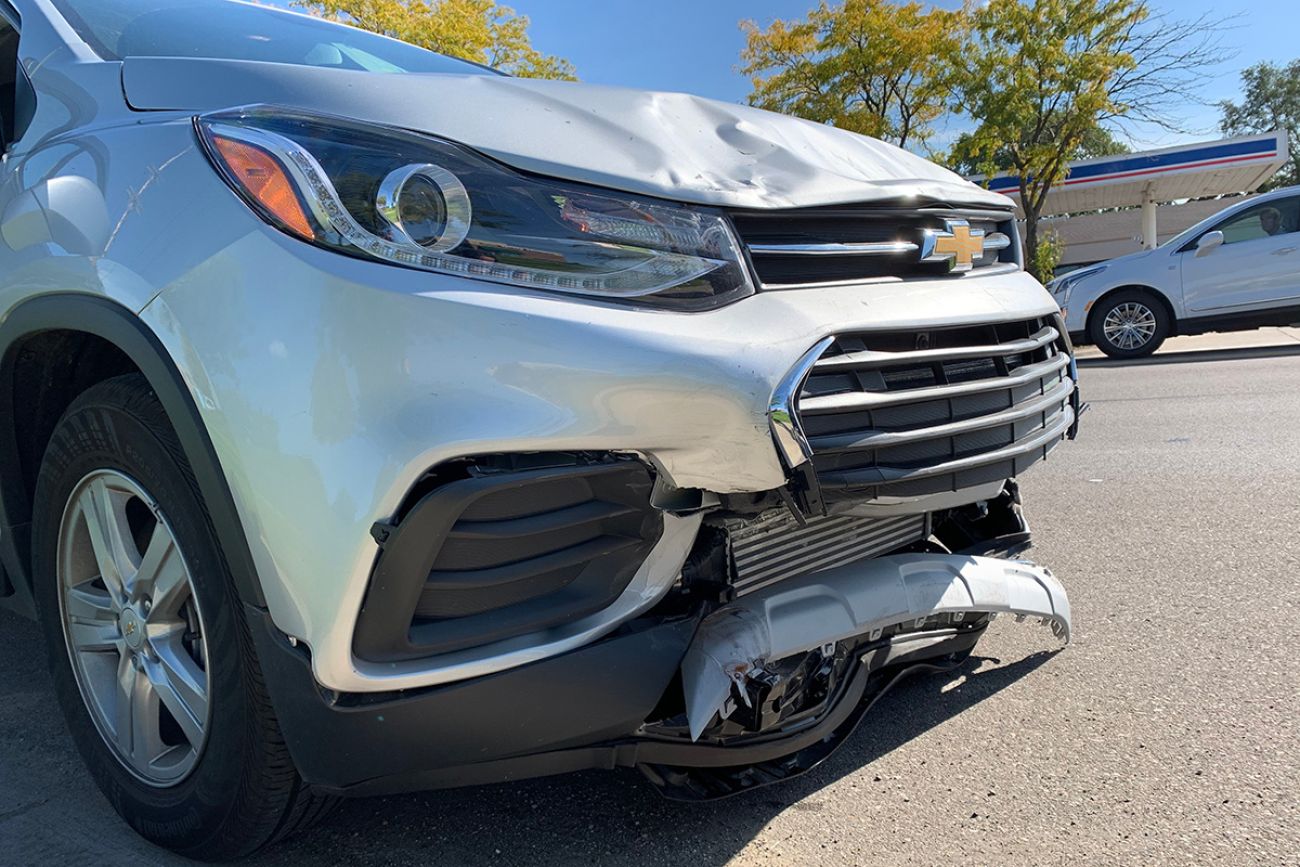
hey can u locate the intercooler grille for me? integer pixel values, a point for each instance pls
(773, 547)
(911, 413)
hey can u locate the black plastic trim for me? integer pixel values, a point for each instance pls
(502, 554)
(581, 710)
(1243, 320)
(119, 326)
(460, 732)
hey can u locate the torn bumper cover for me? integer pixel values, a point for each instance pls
(737, 643)
(667, 694)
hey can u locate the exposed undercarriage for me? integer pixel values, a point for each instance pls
(873, 600)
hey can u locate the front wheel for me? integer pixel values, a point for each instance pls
(149, 651)
(1129, 324)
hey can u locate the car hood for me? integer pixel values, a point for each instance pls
(670, 145)
(1127, 261)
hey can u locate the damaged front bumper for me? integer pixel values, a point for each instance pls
(737, 644)
(759, 690)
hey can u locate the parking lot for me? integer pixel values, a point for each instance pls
(1168, 732)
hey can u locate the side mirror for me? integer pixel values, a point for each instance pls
(1209, 242)
(68, 211)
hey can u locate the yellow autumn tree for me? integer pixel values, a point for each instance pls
(479, 30)
(875, 67)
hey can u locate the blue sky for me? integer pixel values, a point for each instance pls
(694, 45)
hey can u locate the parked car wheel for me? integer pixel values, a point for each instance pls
(152, 660)
(1129, 324)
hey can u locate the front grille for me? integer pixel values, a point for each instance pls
(911, 413)
(816, 246)
(774, 546)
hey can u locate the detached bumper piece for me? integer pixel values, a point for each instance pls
(502, 553)
(739, 646)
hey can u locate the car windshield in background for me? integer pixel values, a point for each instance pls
(233, 30)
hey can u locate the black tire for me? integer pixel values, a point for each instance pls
(243, 792)
(1135, 306)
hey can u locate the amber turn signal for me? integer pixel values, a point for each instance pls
(263, 177)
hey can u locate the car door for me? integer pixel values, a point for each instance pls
(1258, 265)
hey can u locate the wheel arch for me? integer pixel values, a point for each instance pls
(1132, 287)
(88, 339)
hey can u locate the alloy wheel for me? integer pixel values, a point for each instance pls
(1130, 325)
(133, 628)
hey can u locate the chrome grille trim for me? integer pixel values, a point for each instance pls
(908, 414)
(895, 474)
(864, 243)
(774, 547)
(873, 439)
(996, 241)
(831, 403)
(884, 248)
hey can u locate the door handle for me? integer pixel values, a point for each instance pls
(1283, 251)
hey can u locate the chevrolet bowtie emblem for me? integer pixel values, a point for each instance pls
(957, 245)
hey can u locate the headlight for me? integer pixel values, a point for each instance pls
(420, 202)
(1061, 286)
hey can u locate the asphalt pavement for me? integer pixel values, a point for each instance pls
(1167, 732)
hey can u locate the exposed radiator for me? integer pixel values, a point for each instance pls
(773, 546)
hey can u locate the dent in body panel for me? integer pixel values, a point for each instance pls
(670, 145)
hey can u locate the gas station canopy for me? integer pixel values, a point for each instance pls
(1193, 171)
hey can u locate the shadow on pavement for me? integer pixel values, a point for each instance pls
(1235, 354)
(594, 817)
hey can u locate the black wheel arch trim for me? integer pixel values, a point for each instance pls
(106, 319)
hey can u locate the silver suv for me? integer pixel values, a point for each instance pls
(371, 421)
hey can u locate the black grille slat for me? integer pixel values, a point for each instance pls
(499, 554)
(951, 408)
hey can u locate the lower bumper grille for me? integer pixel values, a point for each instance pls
(498, 555)
(912, 413)
(774, 546)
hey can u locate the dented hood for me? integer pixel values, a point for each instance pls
(670, 145)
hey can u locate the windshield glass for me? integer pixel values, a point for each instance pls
(235, 30)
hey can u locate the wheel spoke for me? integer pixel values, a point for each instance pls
(181, 686)
(92, 620)
(139, 735)
(105, 514)
(162, 574)
(95, 637)
(86, 603)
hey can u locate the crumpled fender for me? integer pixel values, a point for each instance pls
(859, 599)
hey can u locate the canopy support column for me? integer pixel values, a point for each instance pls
(1149, 236)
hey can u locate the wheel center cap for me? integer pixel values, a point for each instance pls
(132, 628)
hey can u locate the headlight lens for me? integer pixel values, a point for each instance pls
(421, 202)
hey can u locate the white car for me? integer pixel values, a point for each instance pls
(1236, 270)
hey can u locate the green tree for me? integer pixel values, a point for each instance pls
(1042, 77)
(870, 66)
(965, 158)
(479, 30)
(1270, 100)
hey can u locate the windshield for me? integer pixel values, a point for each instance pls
(235, 30)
